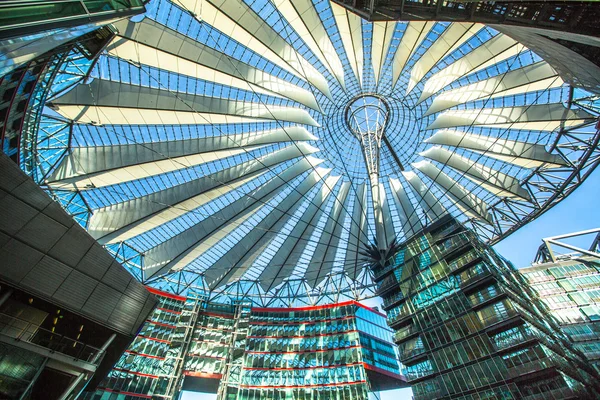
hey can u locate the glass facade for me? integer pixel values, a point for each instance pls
(337, 351)
(468, 326)
(570, 288)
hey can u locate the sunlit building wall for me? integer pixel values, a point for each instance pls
(336, 351)
(468, 325)
(570, 287)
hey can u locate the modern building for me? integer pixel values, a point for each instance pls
(30, 29)
(67, 308)
(249, 157)
(569, 284)
(335, 351)
(467, 324)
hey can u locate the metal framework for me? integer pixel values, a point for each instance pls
(547, 253)
(219, 158)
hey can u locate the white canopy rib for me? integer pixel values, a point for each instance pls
(414, 34)
(531, 78)
(523, 154)
(463, 198)
(541, 117)
(492, 180)
(324, 256)
(151, 39)
(238, 21)
(118, 215)
(452, 38)
(429, 203)
(128, 98)
(409, 218)
(231, 262)
(106, 165)
(383, 32)
(178, 251)
(303, 17)
(285, 261)
(350, 29)
(496, 49)
(358, 232)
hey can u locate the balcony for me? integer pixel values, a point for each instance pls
(13, 330)
(452, 244)
(412, 375)
(482, 298)
(412, 353)
(496, 318)
(388, 283)
(393, 299)
(404, 333)
(530, 367)
(464, 260)
(471, 277)
(404, 314)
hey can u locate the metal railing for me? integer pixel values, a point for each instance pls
(18, 13)
(26, 331)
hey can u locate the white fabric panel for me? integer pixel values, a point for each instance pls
(123, 116)
(358, 231)
(176, 210)
(523, 154)
(465, 200)
(178, 251)
(141, 54)
(303, 17)
(285, 261)
(494, 49)
(209, 61)
(236, 20)
(140, 171)
(411, 40)
(542, 117)
(322, 261)
(91, 161)
(117, 216)
(132, 102)
(428, 202)
(492, 180)
(350, 29)
(383, 33)
(538, 76)
(452, 38)
(409, 218)
(230, 263)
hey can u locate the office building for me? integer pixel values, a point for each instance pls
(67, 308)
(468, 325)
(569, 284)
(248, 154)
(334, 351)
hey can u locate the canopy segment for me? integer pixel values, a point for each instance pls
(257, 148)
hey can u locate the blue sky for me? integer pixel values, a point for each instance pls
(576, 213)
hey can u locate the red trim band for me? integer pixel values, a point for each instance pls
(144, 355)
(161, 324)
(206, 375)
(301, 322)
(303, 386)
(165, 294)
(321, 307)
(127, 371)
(303, 351)
(302, 368)
(385, 372)
(302, 337)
